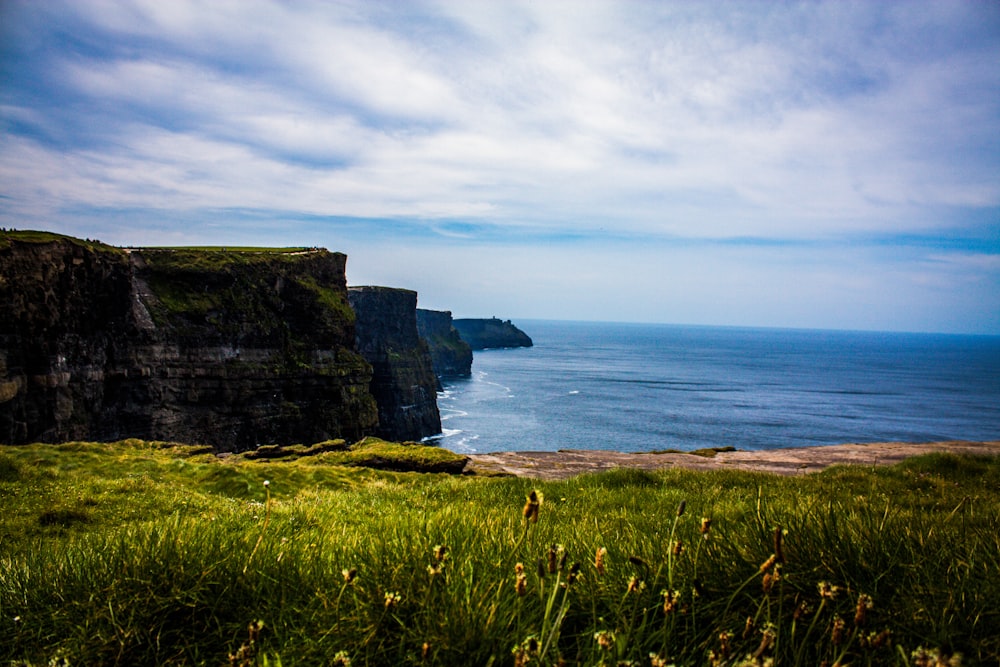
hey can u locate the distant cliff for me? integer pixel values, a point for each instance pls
(404, 384)
(452, 356)
(481, 334)
(227, 348)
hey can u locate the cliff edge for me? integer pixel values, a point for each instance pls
(230, 348)
(481, 334)
(451, 356)
(403, 383)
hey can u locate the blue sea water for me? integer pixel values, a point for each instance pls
(640, 387)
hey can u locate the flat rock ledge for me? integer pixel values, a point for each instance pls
(564, 464)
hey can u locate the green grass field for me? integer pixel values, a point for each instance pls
(145, 553)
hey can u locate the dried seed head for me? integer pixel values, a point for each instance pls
(779, 553)
(531, 506)
(573, 575)
(656, 660)
(425, 651)
(865, 603)
(440, 553)
(553, 556)
(635, 584)
(766, 565)
(599, 560)
(748, 628)
(562, 558)
(677, 549)
(392, 599)
(837, 633)
(520, 583)
(349, 574)
(706, 525)
(671, 601)
(540, 568)
(341, 659)
(635, 560)
(681, 507)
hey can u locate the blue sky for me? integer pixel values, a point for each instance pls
(815, 164)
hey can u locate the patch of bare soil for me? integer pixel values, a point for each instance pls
(793, 461)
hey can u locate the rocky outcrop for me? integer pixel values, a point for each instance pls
(404, 384)
(481, 334)
(226, 348)
(451, 356)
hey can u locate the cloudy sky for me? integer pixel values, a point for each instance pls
(815, 164)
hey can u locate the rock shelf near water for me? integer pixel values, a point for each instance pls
(790, 461)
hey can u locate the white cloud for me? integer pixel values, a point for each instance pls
(654, 121)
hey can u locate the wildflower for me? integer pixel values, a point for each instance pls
(779, 553)
(678, 548)
(635, 584)
(574, 573)
(766, 641)
(392, 599)
(671, 600)
(827, 590)
(520, 580)
(766, 565)
(599, 560)
(523, 651)
(553, 556)
(865, 603)
(440, 553)
(267, 483)
(531, 506)
(435, 569)
(770, 578)
(802, 610)
(349, 574)
(425, 651)
(837, 633)
(605, 639)
(656, 660)
(342, 659)
(706, 525)
(875, 640)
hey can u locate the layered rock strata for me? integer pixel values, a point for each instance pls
(451, 356)
(481, 334)
(226, 348)
(403, 383)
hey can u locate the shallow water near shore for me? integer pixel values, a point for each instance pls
(640, 387)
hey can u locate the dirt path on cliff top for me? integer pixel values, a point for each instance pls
(794, 461)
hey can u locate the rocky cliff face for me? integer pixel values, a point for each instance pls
(404, 384)
(230, 349)
(481, 334)
(451, 356)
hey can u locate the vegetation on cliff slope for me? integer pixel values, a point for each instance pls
(142, 553)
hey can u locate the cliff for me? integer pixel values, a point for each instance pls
(481, 334)
(403, 383)
(451, 356)
(226, 348)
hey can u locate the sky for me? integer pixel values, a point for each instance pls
(787, 164)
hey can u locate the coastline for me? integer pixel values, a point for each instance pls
(564, 464)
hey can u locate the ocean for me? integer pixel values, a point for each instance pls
(641, 387)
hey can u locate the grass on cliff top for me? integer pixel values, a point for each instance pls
(142, 553)
(36, 236)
